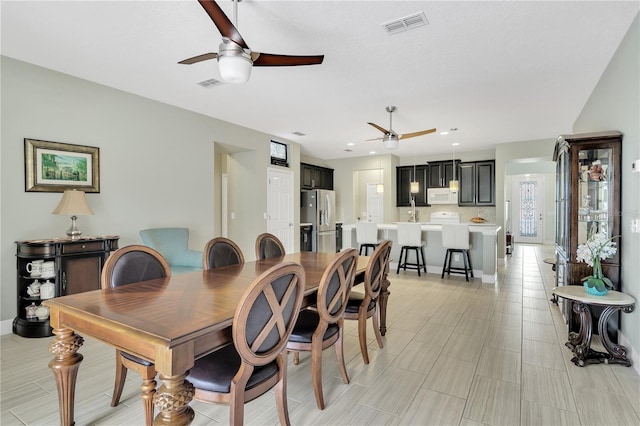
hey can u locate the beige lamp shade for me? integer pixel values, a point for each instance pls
(414, 187)
(453, 185)
(73, 203)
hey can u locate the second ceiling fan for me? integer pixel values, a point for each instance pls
(391, 138)
(235, 58)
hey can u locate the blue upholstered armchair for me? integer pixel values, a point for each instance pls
(173, 244)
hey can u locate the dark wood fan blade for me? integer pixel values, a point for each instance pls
(199, 58)
(382, 129)
(223, 23)
(414, 134)
(272, 60)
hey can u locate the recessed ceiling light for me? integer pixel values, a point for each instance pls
(445, 133)
(455, 144)
(372, 152)
(350, 144)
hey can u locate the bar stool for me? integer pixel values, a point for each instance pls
(367, 236)
(455, 238)
(410, 238)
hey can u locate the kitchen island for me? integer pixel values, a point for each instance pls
(483, 251)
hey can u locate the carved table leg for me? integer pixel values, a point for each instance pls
(617, 353)
(581, 342)
(65, 366)
(384, 297)
(172, 400)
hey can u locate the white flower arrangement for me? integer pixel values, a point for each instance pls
(597, 248)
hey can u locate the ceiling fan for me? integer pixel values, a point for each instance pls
(235, 58)
(390, 138)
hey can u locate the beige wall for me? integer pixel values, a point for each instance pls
(615, 105)
(158, 165)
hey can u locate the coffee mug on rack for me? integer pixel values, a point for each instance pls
(48, 270)
(35, 268)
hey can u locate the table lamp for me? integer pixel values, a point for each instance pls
(73, 203)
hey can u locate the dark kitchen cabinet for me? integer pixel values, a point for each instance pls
(587, 202)
(404, 177)
(77, 265)
(305, 238)
(477, 183)
(315, 177)
(440, 173)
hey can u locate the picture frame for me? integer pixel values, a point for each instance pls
(56, 167)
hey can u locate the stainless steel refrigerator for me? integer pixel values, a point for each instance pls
(318, 208)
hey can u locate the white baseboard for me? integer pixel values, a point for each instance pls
(6, 327)
(631, 352)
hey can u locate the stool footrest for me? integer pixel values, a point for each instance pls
(419, 264)
(466, 271)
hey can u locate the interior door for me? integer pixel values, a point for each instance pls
(528, 205)
(280, 206)
(375, 204)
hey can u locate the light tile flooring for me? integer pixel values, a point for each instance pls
(455, 353)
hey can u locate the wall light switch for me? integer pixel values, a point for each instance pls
(233, 215)
(635, 226)
(636, 166)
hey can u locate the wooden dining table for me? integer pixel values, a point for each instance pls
(170, 321)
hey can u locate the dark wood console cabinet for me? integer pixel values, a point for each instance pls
(77, 268)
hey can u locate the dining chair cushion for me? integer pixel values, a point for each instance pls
(307, 324)
(136, 359)
(136, 266)
(355, 300)
(214, 372)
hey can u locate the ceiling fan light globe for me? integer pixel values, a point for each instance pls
(234, 63)
(234, 69)
(390, 142)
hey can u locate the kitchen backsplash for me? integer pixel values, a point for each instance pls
(466, 213)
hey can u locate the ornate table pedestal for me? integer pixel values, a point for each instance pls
(580, 342)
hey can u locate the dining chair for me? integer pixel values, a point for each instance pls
(364, 305)
(322, 327)
(128, 265)
(221, 251)
(256, 359)
(268, 246)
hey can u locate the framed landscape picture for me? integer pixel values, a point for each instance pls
(56, 167)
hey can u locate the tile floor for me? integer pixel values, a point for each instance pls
(455, 353)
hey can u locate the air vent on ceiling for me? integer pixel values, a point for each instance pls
(299, 134)
(407, 23)
(210, 83)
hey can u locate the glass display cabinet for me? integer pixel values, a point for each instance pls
(587, 201)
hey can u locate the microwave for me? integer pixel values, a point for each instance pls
(441, 196)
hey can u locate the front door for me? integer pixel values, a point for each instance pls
(280, 206)
(528, 205)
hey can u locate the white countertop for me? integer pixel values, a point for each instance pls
(485, 228)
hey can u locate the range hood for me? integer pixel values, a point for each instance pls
(441, 196)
